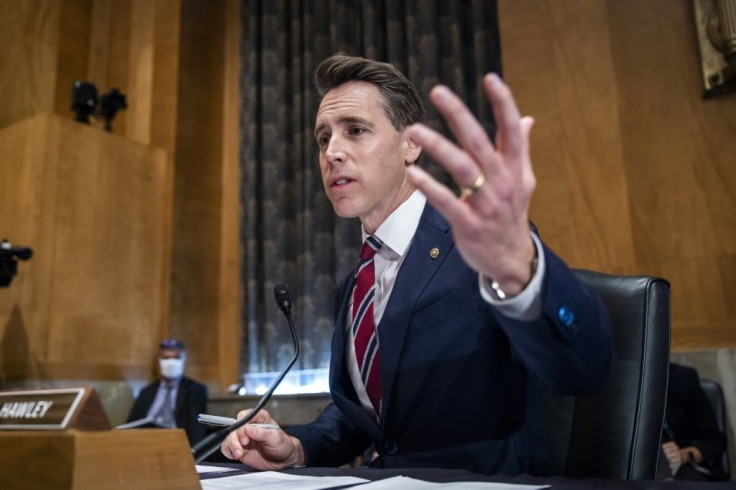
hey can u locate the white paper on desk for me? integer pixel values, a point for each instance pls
(271, 480)
(202, 468)
(406, 483)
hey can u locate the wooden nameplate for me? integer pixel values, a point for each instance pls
(60, 439)
(49, 409)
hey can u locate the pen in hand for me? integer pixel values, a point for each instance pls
(218, 421)
(265, 426)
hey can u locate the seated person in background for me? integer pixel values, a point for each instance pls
(691, 440)
(174, 400)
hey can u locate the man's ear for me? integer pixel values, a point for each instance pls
(413, 150)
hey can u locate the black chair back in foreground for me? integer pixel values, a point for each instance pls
(615, 433)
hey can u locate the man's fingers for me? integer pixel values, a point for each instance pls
(508, 135)
(438, 195)
(526, 170)
(262, 417)
(235, 444)
(477, 154)
(463, 124)
(258, 433)
(458, 164)
(527, 123)
(232, 446)
(225, 450)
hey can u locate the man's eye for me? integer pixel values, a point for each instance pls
(356, 131)
(323, 140)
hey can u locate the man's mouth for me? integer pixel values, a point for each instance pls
(341, 181)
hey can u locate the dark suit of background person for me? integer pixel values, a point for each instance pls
(461, 380)
(191, 400)
(691, 422)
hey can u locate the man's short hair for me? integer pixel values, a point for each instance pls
(172, 344)
(401, 101)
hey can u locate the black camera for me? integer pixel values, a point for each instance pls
(8, 262)
(84, 100)
(109, 105)
(85, 103)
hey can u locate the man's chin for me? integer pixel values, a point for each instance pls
(347, 215)
(345, 211)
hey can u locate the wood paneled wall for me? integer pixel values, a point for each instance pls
(87, 304)
(29, 35)
(177, 62)
(636, 173)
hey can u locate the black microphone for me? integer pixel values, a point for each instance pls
(283, 298)
(209, 444)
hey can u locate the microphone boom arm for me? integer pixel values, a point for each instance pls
(209, 444)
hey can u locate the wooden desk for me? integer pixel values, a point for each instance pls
(85, 460)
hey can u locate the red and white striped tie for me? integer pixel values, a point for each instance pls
(364, 329)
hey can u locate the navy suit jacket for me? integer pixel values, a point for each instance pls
(459, 379)
(191, 400)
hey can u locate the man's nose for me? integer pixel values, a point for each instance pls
(335, 151)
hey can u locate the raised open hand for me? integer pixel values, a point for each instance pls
(490, 218)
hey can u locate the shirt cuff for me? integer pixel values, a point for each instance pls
(525, 306)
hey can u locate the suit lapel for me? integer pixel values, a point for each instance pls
(147, 397)
(180, 394)
(419, 266)
(339, 380)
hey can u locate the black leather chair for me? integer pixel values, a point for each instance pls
(715, 396)
(615, 433)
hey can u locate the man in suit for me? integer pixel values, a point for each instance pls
(457, 315)
(173, 400)
(692, 443)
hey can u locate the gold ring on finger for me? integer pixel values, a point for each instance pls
(472, 189)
